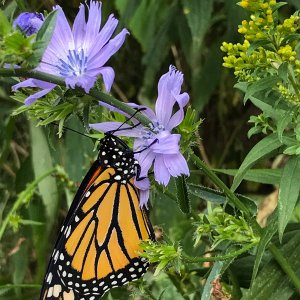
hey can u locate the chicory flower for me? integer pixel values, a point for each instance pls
(28, 22)
(78, 54)
(157, 145)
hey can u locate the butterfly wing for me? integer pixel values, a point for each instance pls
(99, 244)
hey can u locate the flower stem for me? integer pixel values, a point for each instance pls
(219, 183)
(232, 254)
(98, 95)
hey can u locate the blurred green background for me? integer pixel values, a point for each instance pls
(185, 33)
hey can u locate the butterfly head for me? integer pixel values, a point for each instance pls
(115, 153)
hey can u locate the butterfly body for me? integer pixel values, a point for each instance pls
(98, 248)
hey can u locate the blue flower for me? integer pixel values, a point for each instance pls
(79, 54)
(157, 145)
(29, 23)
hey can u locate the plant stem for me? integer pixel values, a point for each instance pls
(232, 254)
(219, 183)
(98, 95)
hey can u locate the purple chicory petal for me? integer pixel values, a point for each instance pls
(110, 126)
(161, 173)
(108, 50)
(144, 197)
(176, 164)
(28, 22)
(33, 83)
(145, 159)
(164, 104)
(108, 75)
(167, 143)
(144, 190)
(93, 24)
(32, 98)
(79, 55)
(79, 27)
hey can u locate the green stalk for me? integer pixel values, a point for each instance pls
(98, 95)
(188, 259)
(219, 183)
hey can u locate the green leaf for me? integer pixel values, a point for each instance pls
(43, 38)
(206, 193)
(217, 197)
(198, 15)
(289, 189)
(265, 176)
(183, 199)
(290, 38)
(271, 282)
(282, 124)
(42, 162)
(5, 26)
(283, 71)
(276, 114)
(266, 237)
(265, 43)
(263, 148)
(261, 85)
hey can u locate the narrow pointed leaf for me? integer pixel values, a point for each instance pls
(263, 148)
(288, 192)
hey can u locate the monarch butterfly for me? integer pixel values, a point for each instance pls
(97, 248)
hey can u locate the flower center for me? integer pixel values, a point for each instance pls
(75, 64)
(156, 128)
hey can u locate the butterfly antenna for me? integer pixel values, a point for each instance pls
(147, 147)
(70, 129)
(127, 120)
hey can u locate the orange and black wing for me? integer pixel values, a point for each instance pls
(98, 247)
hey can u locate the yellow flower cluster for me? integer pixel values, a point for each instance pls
(240, 60)
(267, 45)
(284, 91)
(290, 25)
(287, 53)
(261, 19)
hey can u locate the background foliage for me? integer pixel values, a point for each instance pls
(188, 34)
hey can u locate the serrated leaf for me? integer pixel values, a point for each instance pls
(182, 195)
(216, 196)
(206, 194)
(263, 148)
(267, 234)
(289, 189)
